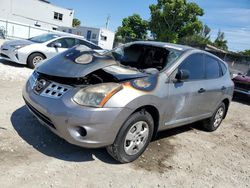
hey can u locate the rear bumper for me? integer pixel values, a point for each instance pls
(64, 118)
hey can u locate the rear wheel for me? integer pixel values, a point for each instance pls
(214, 122)
(133, 138)
(34, 59)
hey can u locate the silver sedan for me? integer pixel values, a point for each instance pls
(36, 49)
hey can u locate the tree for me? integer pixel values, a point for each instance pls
(220, 41)
(194, 40)
(76, 22)
(200, 39)
(205, 33)
(246, 52)
(174, 19)
(133, 27)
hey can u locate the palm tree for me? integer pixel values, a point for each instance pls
(76, 22)
(220, 41)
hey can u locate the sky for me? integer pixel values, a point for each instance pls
(230, 16)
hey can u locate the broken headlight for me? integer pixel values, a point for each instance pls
(96, 95)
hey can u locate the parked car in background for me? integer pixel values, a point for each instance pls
(121, 98)
(2, 33)
(36, 49)
(242, 84)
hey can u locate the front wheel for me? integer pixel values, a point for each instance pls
(133, 138)
(214, 122)
(34, 59)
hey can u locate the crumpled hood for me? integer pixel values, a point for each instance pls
(74, 63)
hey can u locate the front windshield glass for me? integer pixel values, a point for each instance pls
(43, 38)
(142, 56)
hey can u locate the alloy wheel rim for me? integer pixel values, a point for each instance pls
(136, 138)
(218, 117)
(37, 59)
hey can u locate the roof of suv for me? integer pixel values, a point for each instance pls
(165, 45)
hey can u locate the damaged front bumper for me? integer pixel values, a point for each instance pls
(79, 125)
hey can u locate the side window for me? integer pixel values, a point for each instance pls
(212, 68)
(194, 64)
(65, 42)
(70, 42)
(248, 73)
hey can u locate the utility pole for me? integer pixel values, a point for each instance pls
(107, 21)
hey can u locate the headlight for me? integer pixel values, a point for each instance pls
(18, 46)
(96, 95)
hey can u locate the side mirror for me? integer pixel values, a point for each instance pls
(57, 45)
(182, 75)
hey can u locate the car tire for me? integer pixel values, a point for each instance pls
(214, 122)
(124, 149)
(33, 59)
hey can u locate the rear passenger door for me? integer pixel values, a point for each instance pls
(214, 83)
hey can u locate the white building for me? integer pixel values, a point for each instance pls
(39, 13)
(100, 36)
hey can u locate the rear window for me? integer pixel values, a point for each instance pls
(223, 68)
(212, 67)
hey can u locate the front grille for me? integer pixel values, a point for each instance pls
(44, 118)
(55, 90)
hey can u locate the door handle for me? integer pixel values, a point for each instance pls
(202, 90)
(223, 88)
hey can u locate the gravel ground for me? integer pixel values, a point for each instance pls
(32, 156)
(13, 72)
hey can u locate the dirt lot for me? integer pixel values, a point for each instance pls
(31, 156)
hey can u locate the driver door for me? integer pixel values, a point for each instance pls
(186, 99)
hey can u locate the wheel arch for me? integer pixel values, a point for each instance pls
(45, 57)
(226, 101)
(154, 112)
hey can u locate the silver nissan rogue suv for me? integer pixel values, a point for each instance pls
(120, 99)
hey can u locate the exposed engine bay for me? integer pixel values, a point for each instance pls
(99, 76)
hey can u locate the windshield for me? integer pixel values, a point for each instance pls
(143, 56)
(43, 38)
